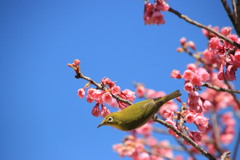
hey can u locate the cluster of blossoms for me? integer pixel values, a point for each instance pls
(224, 55)
(101, 96)
(135, 147)
(152, 12)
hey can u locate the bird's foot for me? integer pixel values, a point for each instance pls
(155, 117)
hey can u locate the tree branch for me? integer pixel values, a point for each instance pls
(208, 85)
(234, 96)
(186, 138)
(187, 19)
(99, 86)
(230, 13)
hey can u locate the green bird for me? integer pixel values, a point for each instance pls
(136, 115)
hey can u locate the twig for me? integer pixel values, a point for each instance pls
(234, 96)
(186, 138)
(229, 12)
(99, 86)
(186, 149)
(225, 155)
(208, 85)
(235, 152)
(203, 26)
(216, 133)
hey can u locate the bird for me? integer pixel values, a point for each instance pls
(136, 115)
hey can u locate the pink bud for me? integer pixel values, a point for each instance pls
(76, 62)
(220, 74)
(105, 111)
(226, 31)
(81, 92)
(191, 45)
(140, 90)
(183, 41)
(179, 49)
(96, 110)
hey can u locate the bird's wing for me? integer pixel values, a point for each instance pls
(148, 109)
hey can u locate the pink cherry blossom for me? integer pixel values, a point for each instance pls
(188, 87)
(128, 94)
(196, 80)
(151, 141)
(162, 5)
(115, 90)
(89, 99)
(215, 45)
(107, 98)
(196, 136)
(190, 117)
(144, 156)
(157, 18)
(207, 105)
(107, 81)
(148, 7)
(230, 73)
(237, 56)
(192, 67)
(176, 74)
(226, 138)
(81, 92)
(201, 122)
(145, 130)
(205, 76)
(188, 74)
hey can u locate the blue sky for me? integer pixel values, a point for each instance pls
(41, 117)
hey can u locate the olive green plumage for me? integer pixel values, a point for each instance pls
(138, 114)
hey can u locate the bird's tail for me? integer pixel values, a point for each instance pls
(162, 100)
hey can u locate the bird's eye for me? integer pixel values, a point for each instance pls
(110, 119)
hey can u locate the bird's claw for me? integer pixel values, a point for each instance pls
(155, 117)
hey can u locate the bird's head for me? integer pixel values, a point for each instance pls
(111, 120)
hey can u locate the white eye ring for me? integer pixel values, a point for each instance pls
(110, 119)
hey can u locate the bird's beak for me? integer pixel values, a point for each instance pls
(101, 124)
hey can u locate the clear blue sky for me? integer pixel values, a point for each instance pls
(41, 117)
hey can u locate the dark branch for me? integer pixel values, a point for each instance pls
(186, 138)
(187, 19)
